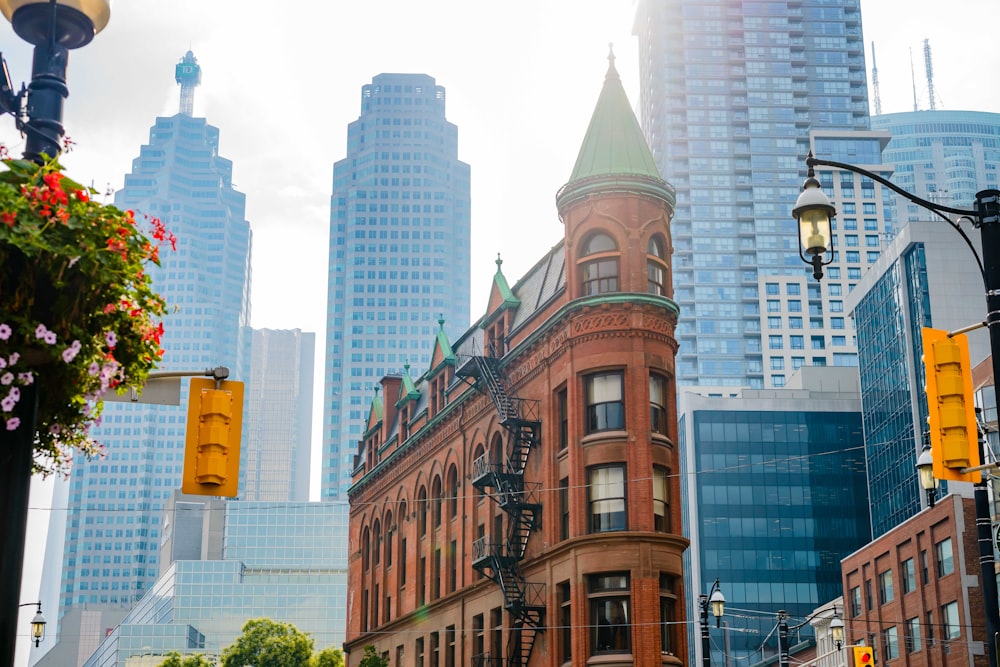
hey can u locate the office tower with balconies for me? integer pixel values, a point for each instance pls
(399, 254)
(730, 90)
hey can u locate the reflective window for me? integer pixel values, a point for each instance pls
(608, 598)
(605, 408)
(607, 499)
(599, 275)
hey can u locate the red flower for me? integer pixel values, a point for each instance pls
(82, 195)
(7, 217)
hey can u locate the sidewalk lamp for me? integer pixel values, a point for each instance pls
(813, 208)
(52, 27)
(717, 602)
(836, 633)
(925, 469)
(37, 623)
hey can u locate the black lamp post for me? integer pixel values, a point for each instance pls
(925, 469)
(985, 216)
(836, 633)
(717, 601)
(53, 27)
(37, 623)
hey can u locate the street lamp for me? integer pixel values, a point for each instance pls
(814, 212)
(52, 27)
(837, 630)
(717, 602)
(925, 469)
(37, 623)
(985, 216)
(836, 633)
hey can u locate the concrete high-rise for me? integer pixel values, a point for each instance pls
(275, 456)
(115, 504)
(730, 90)
(399, 254)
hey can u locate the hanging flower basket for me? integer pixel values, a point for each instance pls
(78, 314)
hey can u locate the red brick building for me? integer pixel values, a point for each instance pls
(517, 503)
(914, 593)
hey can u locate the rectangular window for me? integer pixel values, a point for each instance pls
(885, 587)
(855, 602)
(797, 342)
(913, 635)
(868, 595)
(419, 650)
(891, 643)
(773, 306)
(563, 408)
(661, 499)
(668, 613)
(434, 649)
(610, 618)
(607, 498)
(478, 640)
(658, 404)
(605, 409)
(774, 342)
(908, 576)
(496, 635)
(565, 622)
(949, 620)
(924, 568)
(945, 560)
(564, 508)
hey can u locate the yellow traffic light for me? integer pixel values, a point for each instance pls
(863, 656)
(950, 405)
(212, 449)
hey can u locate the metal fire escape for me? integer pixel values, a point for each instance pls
(504, 483)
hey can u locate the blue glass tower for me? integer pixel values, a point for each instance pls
(113, 531)
(399, 254)
(730, 91)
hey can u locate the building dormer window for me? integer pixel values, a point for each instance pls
(656, 266)
(599, 265)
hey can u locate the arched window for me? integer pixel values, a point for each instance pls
(365, 549)
(390, 530)
(656, 266)
(422, 511)
(452, 492)
(436, 499)
(599, 265)
(376, 540)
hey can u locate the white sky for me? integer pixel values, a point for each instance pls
(283, 80)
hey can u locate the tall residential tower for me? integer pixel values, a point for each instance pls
(399, 254)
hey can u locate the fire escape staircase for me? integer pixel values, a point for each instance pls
(504, 483)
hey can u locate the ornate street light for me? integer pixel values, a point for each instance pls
(814, 213)
(925, 469)
(52, 27)
(717, 602)
(985, 216)
(837, 630)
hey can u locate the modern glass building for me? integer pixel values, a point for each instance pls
(113, 531)
(730, 90)
(275, 457)
(774, 487)
(279, 561)
(925, 278)
(942, 156)
(399, 254)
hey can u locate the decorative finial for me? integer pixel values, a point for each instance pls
(611, 53)
(406, 367)
(377, 388)
(499, 262)
(612, 72)
(441, 321)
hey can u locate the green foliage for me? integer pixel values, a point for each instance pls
(328, 657)
(372, 659)
(267, 643)
(175, 659)
(78, 314)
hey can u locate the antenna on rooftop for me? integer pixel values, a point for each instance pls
(878, 97)
(930, 72)
(188, 75)
(913, 78)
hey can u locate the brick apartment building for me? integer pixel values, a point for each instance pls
(914, 593)
(517, 504)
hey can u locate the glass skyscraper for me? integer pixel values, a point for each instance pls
(399, 254)
(730, 90)
(113, 531)
(777, 511)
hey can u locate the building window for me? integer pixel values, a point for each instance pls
(661, 499)
(449, 646)
(478, 640)
(422, 511)
(658, 404)
(868, 595)
(436, 501)
(452, 492)
(924, 568)
(949, 619)
(605, 402)
(608, 597)
(607, 498)
(668, 613)
(885, 587)
(855, 602)
(435, 643)
(891, 643)
(656, 267)
(565, 622)
(599, 274)
(564, 508)
(774, 343)
(913, 635)
(909, 577)
(563, 407)
(945, 561)
(419, 650)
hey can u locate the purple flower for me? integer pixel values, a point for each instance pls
(50, 337)
(13, 423)
(7, 404)
(93, 369)
(6, 378)
(55, 429)
(26, 378)
(111, 338)
(5, 331)
(14, 393)
(12, 359)
(3, 363)
(69, 354)
(40, 331)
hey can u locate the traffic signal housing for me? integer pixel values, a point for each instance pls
(212, 447)
(950, 405)
(864, 656)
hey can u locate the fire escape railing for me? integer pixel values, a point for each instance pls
(504, 483)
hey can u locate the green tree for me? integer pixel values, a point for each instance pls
(372, 659)
(175, 659)
(328, 657)
(267, 643)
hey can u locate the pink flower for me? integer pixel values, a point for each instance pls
(5, 331)
(50, 337)
(12, 359)
(93, 369)
(3, 363)
(26, 378)
(40, 331)
(7, 404)
(14, 393)
(69, 354)
(6, 378)
(55, 429)
(13, 423)
(111, 338)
